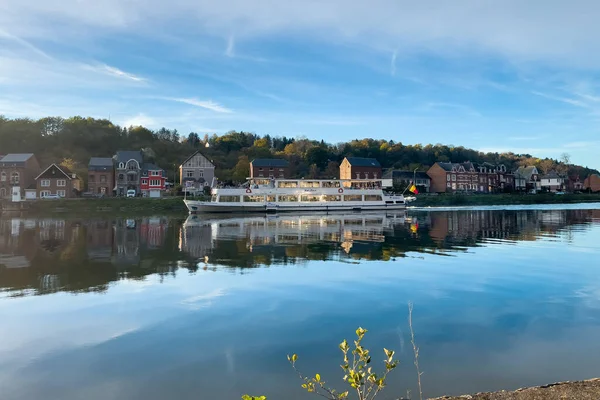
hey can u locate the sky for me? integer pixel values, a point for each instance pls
(512, 75)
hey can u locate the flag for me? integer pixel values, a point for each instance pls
(413, 189)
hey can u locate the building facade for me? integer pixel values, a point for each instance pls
(360, 168)
(17, 172)
(404, 178)
(153, 180)
(269, 168)
(552, 182)
(454, 177)
(494, 178)
(527, 179)
(574, 184)
(196, 172)
(57, 180)
(128, 171)
(592, 183)
(101, 176)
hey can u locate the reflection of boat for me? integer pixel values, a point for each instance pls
(200, 234)
(278, 195)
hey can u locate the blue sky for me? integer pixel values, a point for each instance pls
(495, 76)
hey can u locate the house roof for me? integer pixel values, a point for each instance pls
(66, 172)
(269, 162)
(363, 162)
(526, 172)
(123, 156)
(193, 154)
(448, 166)
(551, 175)
(100, 162)
(151, 167)
(16, 158)
(404, 175)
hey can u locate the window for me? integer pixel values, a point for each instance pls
(102, 178)
(254, 199)
(453, 178)
(352, 197)
(3, 176)
(45, 183)
(374, 175)
(284, 184)
(201, 173)
(448, 178)
(61, 183)
(155, 182)
(454, 186)
(309, 184)
(189, 173)
(91, 178)
(132, 165)
(449, 185)
(121, 165)
(260, 169)
(229, 199)
(271, 169)
(358, 175)
(61, 193)
(288, 197)
(44, 193)
(280, 169)
(333, 197)
(373, 197)
(121, 176)
(271, 198)
(14, 178)
(310, 198)
(154, 173)
(144, 181)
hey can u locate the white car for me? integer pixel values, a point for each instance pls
(131, 193)
(51, 197)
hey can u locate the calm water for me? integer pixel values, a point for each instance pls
(161, 308)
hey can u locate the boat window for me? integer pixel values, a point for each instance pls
(399, 202)
(271, 198)
(288, 197)
(287, 184)
(352, 197)
(389, 202)
(373, 197)
(310, 197)
(331, 184)
(333, 197)
(214, 197)
(309, 184)
(229, 199)
(254, 199)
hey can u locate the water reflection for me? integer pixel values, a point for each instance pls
(39, 256)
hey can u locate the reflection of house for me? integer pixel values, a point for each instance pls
(57, 180)
(99, 240)
(527, 178)
(404, 178)
(126, 243)
(128, 169)
(552, 182)
(17, 170)
(101, 176)
(269, 168)
(152, 231)
(360, 168)
(592, 183)
(196, 172)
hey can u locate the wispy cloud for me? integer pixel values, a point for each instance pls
(230, 51)
(113, 71)
(567, 100)
(24, 43)
(207, 104)
(393, 63)
(139, 120)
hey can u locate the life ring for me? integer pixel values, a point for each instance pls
(248, 190)
(340, 190)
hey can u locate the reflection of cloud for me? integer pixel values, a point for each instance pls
(202, 300)
(230, 360)
(589, 296)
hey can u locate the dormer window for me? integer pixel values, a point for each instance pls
(121, 165)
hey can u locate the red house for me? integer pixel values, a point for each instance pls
(153, 180)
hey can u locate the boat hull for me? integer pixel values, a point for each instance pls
(196, 207)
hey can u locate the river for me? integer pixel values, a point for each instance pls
(208, 308)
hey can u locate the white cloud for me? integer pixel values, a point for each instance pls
(113, 71)
(207, 104)
(139, 120)
(567, 100)
(230, 51)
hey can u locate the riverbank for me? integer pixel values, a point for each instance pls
(445, 200)
(581, 390)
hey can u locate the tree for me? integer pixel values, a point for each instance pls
(313, 172)
(332, 170)
(242, 169)
(193, 139)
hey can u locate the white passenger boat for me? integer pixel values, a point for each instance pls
(281, 195)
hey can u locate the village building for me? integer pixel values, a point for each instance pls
(57, 180)
(360, 168)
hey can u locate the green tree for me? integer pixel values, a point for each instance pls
(242, 169)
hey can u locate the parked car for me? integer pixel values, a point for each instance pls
(559, 193)
(51, 197)
(131, 193)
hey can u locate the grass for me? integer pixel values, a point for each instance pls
(115, 205)
(501, 199)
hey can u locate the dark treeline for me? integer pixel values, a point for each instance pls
(74, 140)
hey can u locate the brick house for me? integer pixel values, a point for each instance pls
(453, 177)
(101, 176)
(404, 178)
(592, 183)
(494, 178)
(153, 180)
(17, 170)
(269, 168)
(574, 184)
(196, 172)
(128, 170)
(360, 168)
(57, 180)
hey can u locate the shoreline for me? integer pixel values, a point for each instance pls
(580, 390)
